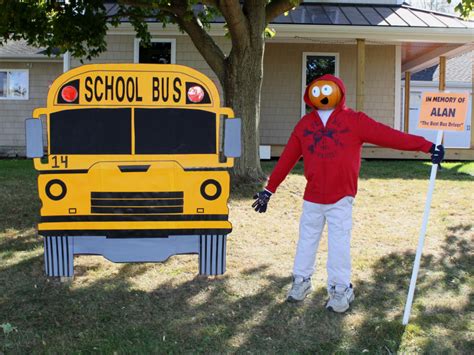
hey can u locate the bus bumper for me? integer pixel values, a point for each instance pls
(59, 251)
(133, 229)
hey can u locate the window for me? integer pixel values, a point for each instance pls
(91, 131)
(174, 131)
(159, 51)
(14, 84)
(316, 65)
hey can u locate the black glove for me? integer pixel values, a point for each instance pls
(437, 154)
(261, 200)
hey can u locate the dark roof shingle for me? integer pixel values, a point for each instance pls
(369, 15)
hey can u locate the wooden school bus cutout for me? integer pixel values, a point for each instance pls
(134, 169)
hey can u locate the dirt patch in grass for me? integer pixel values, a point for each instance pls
(165, 308)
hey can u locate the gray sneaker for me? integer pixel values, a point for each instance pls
(300, 289)
(340, 298)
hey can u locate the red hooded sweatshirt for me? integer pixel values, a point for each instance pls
(332, 153)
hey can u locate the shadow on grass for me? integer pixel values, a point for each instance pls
(20, 242)
(441, 277)
(200, 315)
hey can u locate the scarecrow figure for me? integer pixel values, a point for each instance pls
(330, 139)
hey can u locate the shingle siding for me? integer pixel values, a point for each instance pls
(119, 50)
(14, 112)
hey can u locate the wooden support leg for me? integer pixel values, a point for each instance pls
(360, 84)
(407, 102)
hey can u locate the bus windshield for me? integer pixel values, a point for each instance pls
(157, 131)
(174, 131)
(91, 131)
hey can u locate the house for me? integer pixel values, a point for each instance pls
(370, 44)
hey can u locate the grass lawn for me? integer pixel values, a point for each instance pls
(139, 308)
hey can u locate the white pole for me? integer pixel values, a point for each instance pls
(421, 239)
(66, 55)
(66, 61)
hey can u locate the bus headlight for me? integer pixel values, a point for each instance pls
(56, 189)
(211, 189)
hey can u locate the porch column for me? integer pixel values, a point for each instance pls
(442, 78)
(407, 102)
(360, 86)
(442, 73)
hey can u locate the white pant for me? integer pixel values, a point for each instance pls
(339, 218)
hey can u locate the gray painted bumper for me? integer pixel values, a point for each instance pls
(59, 251)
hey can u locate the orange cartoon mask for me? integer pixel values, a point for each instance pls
(324, 94)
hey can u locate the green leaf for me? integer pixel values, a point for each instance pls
(8, 328)
(269, 32)
(465, 8)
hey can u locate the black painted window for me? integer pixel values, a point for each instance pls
(91, 131)
(174, 131)
(155, 53)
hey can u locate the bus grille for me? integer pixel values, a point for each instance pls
(137, 202)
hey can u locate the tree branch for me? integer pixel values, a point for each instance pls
(204, 44)
(170, 9)
(210, 3)
(236, 21)
(255, 11)
(277, 7)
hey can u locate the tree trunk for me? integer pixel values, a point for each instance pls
(242, 92)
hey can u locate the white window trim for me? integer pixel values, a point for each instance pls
(136, 48)
(303, 72)
(27, 84)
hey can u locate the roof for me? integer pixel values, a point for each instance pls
(425, 74)
(370, 15)
(348, 14)
(458, 69)
(21, 50)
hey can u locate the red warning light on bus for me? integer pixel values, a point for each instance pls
(195, 94)
(69, 93)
